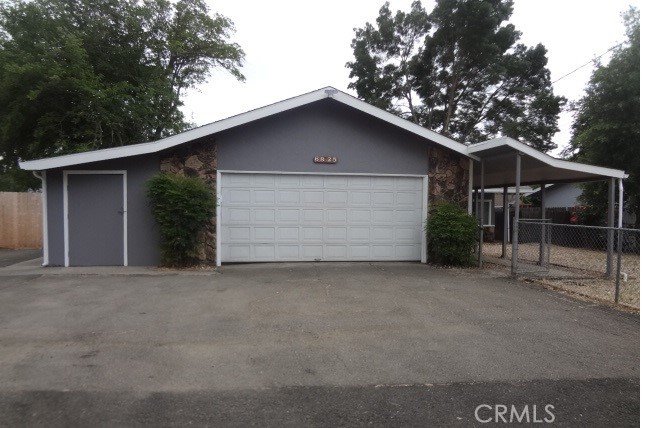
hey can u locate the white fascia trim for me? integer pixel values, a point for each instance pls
(536, 154)
(241, 119)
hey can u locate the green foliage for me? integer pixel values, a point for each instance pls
(17, 180)
(606, 130)
(452, 235)
(181, 206)
(79, 75)
(458, 70)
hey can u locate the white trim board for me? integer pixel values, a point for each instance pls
(218, 219)
(66, 173)
(241, 119)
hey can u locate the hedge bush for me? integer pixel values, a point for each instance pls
(452, 235)
(181, 206)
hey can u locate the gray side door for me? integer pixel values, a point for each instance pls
(96, 219)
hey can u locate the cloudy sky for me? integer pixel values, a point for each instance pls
(293, 47)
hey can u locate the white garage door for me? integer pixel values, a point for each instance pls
(288, 217)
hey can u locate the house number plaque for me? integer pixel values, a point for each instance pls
(325, 159)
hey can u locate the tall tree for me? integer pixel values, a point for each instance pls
(459, 70)
(606, 130)
(78, 75)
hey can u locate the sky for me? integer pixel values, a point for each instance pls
(294, 47)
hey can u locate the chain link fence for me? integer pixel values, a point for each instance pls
(601, 262)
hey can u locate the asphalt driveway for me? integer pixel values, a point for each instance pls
(9, 257)
(308, 344)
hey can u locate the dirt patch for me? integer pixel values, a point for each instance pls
(582, 272)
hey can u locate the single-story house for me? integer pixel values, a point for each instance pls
(560, 195)
(321, 176)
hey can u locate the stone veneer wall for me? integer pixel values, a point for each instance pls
(447, 177)
(197, 160)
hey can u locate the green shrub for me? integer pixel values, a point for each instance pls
(452, 235)
(181, 206)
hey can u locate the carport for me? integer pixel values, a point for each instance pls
(505, 162)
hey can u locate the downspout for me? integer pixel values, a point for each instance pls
(43, 179)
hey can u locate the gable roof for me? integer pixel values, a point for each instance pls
(241, 119)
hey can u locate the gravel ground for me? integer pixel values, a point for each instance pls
(585, 269)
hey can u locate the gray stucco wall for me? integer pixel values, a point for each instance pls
(143, 235)
(289, 141)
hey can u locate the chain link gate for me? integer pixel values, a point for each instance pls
(533, 246)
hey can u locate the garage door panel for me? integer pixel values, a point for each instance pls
(406, 234)
(312, 234)
(263, 234)
(311, 197)
(288, 234)
(338, 234)
(335, 182)
(264, 215)
(264, 180)
(288, 197)
(360, 216)
(380, 252)
(313, 216)
(383, 216)
(336, 197)
(406, 198)
(288, 252)
(336, 216)
(383, 182)
(315, 181)
(238, 234)
(359, 234)
(359, 252)
(264, 197)
(360, 198)
(290, 217)
(288, 181)
(312, 252)
(383, 198)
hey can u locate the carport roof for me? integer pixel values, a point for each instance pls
(498, 157)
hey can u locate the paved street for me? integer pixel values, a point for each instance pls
(307, 344)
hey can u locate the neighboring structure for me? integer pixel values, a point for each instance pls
(560, 195)
(322, 176)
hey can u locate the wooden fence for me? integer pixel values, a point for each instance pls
(21, 220)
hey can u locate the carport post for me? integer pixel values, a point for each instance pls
(518, 167)
(470, 186)
(620, 203)
(505, 221)
(481, 213)
(542, 228)
(611, 200)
